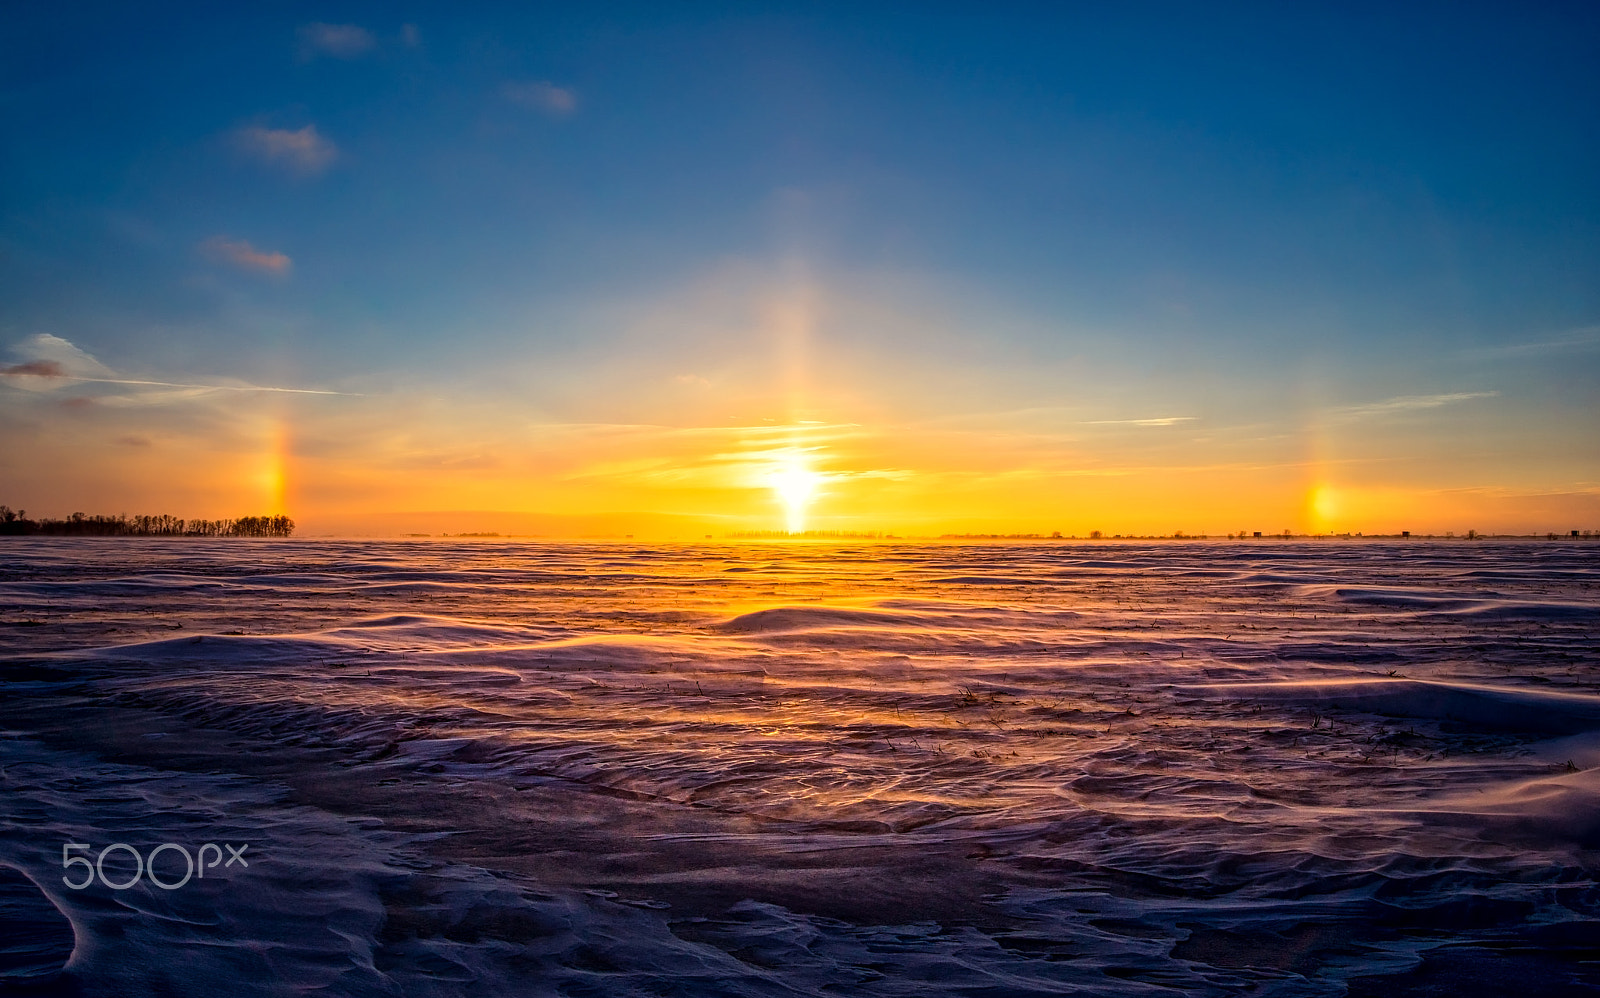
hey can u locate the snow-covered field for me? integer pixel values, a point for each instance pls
(1261, 767)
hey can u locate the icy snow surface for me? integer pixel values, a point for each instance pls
(1265, 767)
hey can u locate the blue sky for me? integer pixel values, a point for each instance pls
(1241, 212)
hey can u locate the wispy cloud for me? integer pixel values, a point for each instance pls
(1584, 338)
(1154, 421)
(44, 355)
(541, 96)
(239, 253)
(341, 41)
(302, 151)
(48, 361)
(213, 388)
(1410, 403)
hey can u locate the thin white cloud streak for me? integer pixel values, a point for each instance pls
(48, 360)
(1584, 338)
(541, 95)
(303, 151)
(239, 253)
(1051, 416)
(1154, 421)
(812, 433)
(210, 388)
(341, 41)
(1409, 403)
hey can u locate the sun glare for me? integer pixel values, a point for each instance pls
(796, 485)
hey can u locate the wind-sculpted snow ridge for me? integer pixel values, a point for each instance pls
(766, 769)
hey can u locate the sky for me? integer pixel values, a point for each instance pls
(681, 268)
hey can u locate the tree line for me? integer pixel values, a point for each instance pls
(16, 522)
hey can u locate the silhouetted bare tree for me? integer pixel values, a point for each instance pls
(15, 522)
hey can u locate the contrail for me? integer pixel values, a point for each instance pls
(218, 388)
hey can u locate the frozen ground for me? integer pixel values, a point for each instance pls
(1261, 768)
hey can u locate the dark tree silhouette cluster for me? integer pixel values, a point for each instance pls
(16, 522)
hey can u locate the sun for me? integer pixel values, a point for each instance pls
(795, 485)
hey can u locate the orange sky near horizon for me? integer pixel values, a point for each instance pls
(702, 437)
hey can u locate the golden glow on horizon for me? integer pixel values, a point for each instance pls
(733, 431)
(858, 472)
